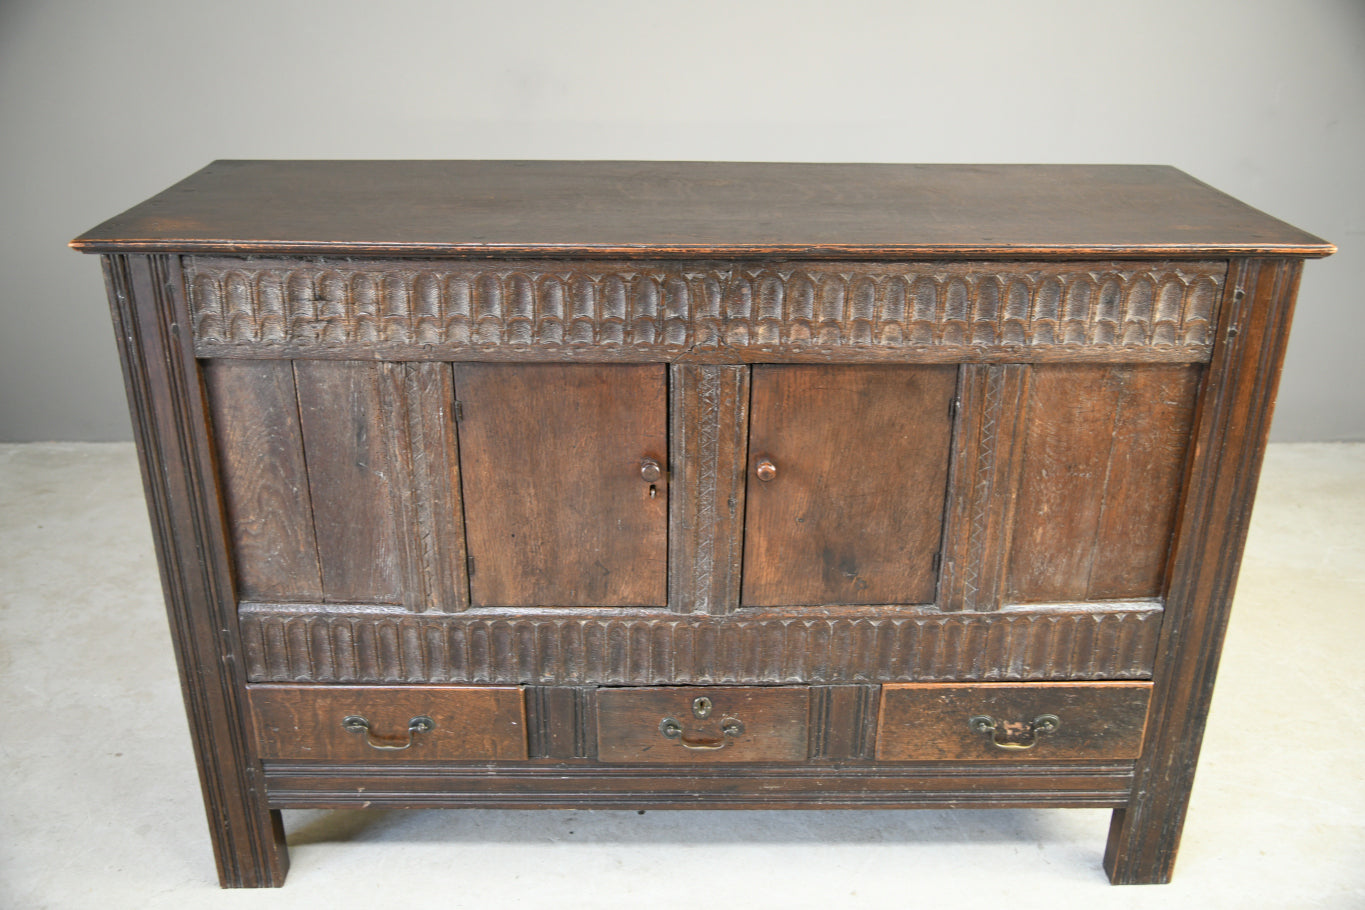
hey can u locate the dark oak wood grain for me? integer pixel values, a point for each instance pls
(1103, 450)
(1230, 433)
(1094, 722)
(468, 723)
(987, 453)
(166, 400)
(708, 439)
(767, 724)
(562, 785)
(418, 400)
(548, 451)
(696, 209)
(710, 311)
(255, 414)
(853, 513)
(295, 643)
(557, 510)
(346, 442)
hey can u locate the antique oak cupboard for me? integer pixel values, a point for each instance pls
(626, 484)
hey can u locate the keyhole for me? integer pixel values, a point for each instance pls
(653, 491)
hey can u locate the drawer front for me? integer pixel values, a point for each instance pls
(1002, 722)
(692, 724)
(389, 723)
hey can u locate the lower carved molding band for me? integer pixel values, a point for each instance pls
(377, 645)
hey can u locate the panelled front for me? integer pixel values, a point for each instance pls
(992, 519)
(464, 502)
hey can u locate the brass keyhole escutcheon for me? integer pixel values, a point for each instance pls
(702, 708)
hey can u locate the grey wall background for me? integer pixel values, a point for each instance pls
(103, 104)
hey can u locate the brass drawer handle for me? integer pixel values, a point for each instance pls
(1015, 736)
(357, 724)
(766, 470)
(730, 728)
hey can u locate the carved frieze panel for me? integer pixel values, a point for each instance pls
(378, 645)
(412, 309)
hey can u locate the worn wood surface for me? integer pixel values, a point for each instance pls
(255, 414)
(469, 723)
(293, 643)
(170, 426)
(983, 485)
(1103, 452)
(843, 722)
(345, 435)
(696, 209)
(774, 725)
(556, 508)
(708, 439)
(1113, 352)
(854, 514)
(571, 785)
(1097, 722)
(1230, 434)
(418, 400)
(709, 311)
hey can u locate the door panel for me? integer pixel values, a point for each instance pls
(346, 437)
(560, 506)
(1103, 454)
(848, 469)
(265, 479)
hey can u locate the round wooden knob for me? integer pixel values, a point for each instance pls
(650, 470)
(766, 470)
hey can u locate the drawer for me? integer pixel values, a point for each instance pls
(691, 724)
(389, 723)
(1029, 721)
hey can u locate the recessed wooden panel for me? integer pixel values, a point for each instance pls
(349, 477)
(557, 509)
(766, 724)
(483, 723)
(1095, 722)
(853, 511)
(1103, 453)
(265, 483)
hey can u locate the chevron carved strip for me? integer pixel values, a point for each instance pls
(430, 310)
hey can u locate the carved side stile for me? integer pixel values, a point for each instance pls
(166, 401)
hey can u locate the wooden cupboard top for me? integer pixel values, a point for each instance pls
(696, 209)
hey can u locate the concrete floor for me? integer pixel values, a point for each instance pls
(100, 807)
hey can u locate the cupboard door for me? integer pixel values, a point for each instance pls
(848, 470)
(565, 475)
(1103, 454)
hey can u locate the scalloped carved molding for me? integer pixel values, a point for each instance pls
(398, 308)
